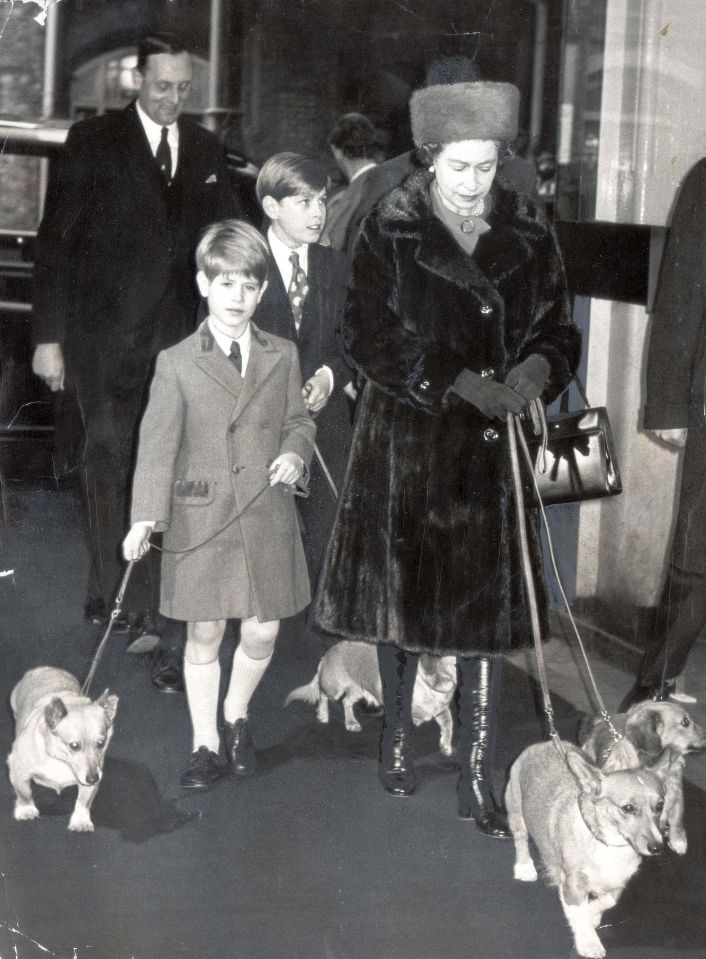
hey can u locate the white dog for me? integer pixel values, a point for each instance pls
(349, 671)
(60, 740)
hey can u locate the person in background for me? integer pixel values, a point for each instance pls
(113, 285)
(355, 146)
(457, 317)
(224, 440)
(303, 303)
(675, 413)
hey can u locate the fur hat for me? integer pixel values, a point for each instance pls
(457, 105)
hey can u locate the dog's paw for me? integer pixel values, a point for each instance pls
(678, 844)
(25, 811)
(353, 726)
(80, 821)
(525, 871)
(589, 946)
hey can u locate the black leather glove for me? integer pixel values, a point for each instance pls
(493, 399)
(529, 378)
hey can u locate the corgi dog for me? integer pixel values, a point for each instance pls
(591, 829)
(349, 672)
(60, 740)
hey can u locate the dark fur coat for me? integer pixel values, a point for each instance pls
(424, 553)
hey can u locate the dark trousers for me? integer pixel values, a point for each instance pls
(681, 616)
(111, 424)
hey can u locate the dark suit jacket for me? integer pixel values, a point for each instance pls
(317, 341)
(676, 361)
(114, 265)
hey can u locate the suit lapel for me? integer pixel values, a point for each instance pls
(213, 361)
(138, 156)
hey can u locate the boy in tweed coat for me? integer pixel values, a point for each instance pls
(224, 441)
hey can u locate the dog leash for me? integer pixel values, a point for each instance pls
(515, 433)
(113, 616)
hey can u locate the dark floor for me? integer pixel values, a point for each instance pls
(310, 860)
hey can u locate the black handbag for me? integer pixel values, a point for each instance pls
(575, 460)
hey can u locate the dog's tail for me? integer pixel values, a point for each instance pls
(308, 693)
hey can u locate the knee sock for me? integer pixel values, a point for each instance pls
(244, 680)
(202, 682)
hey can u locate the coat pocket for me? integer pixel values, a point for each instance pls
(188, 492)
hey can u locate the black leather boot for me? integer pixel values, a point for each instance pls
(398, 670)
(479, 698)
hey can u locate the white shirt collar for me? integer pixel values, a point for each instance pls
(281, 252)
(362, 170)
(153, 132)
(224, 341)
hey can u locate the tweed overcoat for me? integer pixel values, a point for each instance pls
(207, 439)
(424, 553)
(676, 362)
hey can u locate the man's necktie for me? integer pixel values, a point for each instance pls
(236, 357)
(163, 156)
(298, 289)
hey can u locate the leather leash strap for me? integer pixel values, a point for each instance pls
(516, 434)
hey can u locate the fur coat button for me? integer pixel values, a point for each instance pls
(424, 385)
(486, 308)
(490, 435)
(487, 372)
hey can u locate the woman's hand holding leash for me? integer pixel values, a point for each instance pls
(529, 378)
(493, 399)
(137, 542)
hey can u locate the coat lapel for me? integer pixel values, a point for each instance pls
(264, 357)
(213, 361)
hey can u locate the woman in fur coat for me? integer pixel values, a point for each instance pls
(457, 316)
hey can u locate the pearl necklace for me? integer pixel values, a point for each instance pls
(467, 225)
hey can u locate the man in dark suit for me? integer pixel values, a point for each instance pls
(114, 286)
(303, 302)
(356, 149)
(675, 412)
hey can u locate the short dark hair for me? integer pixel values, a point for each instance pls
(356, 137)
(157, 43)
(233, 246)
(286, 174)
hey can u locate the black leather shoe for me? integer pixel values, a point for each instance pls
(146, 635)
(396, 770)
(204, 771)
(491, 823)
(166, 670)
(240, 751)
(96, 612)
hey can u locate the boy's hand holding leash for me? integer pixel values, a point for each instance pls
(287, 469)
(137, 542)
(316, 391)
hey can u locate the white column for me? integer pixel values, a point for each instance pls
(652, 131)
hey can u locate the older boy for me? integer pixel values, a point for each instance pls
(303, 302)
(224, 440)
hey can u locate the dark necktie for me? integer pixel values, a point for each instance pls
(163, 156)
(236, 357)
(298, 289)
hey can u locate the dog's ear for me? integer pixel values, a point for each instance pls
(588, 776)
(109, 702)
(667, 762)
(646, 734)
(54, 712)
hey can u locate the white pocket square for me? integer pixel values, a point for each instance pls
(212, 179)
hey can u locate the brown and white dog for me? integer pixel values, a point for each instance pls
(647, 728)
(60, 740)
(591, 828)
(349, 672)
